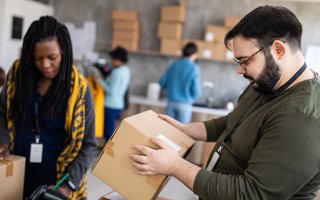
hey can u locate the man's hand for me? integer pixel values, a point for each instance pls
(163, 161)
(4, 151)
(195, 130)
(173, 122)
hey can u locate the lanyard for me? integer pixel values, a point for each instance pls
(37, 121)
(276, 93)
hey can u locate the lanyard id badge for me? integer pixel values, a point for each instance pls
(215, 158)
(36, 151)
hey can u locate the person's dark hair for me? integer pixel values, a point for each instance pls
(2, 76)
(119, 53)
(47, 28)
(267, 23)
(189, 49)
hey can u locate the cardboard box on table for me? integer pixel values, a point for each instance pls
(12, 177)
(114, 167)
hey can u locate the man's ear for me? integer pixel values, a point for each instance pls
(278, 49)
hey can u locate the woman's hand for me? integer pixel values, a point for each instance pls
(4, 151)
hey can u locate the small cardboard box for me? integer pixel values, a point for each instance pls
(215, 51)
(12, 177)
(215, 33)
(114, 167)
(231, 21)
(130, 45)
(170, 30)
(173, 13)
(170, 46)
(128, 15)
(126, 34)
(126, 25)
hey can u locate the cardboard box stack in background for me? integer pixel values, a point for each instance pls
(12, 177)
(170, 28)
(214, 37)
(114, 167)
(126, 29)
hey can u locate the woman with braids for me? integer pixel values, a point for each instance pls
(46, 111)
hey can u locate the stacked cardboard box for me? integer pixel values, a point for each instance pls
(170, 28)
(12, 177)
(126, 29)
(214, 37)
(114, 167)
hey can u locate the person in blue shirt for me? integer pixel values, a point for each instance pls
(115, 87)
(181, 81)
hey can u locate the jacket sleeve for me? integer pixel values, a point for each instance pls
(4, 132)
(284, 160)
(196, 86)
(78, 168)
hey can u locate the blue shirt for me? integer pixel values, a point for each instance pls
(181, 80)
(115, 86)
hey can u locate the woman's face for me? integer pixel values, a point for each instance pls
(47, 58)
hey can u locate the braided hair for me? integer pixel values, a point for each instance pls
(47, 28)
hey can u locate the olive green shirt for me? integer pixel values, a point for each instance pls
(274, 150)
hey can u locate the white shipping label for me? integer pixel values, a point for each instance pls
(209, 37)
(169, 142)
(207, 53)
(36, 153)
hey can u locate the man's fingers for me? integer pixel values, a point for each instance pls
(143, 149)
(160, 143)
(171, 121)
(139, 158)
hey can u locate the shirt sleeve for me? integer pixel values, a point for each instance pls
(196, 87)
(4, 132)
(82, 162)
(164, 79)
(284, 160)
(215, 128)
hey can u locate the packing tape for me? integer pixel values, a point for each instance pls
(9, 164)
(108, 148)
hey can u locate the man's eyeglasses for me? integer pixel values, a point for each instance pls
(245, 62)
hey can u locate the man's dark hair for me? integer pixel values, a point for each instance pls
(189, 49)
(47, 28)
(119, 53)
(267, 23)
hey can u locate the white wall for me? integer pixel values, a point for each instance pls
(29, 11)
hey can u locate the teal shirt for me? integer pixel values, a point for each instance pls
(115, 87)
(274, 153)
(182, 81)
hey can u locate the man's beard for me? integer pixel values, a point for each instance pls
(268, 78)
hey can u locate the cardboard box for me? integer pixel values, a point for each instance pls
(12, 177)
(231, 21)
(126, 25)
(114, 167)
(215, 33)
(128, 15)
(215, 51)
(130, 45)
(116, 196)
(125, 34)
(170, 30)
(170, 46)
(173, 13)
